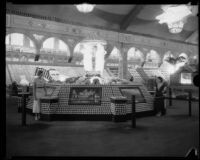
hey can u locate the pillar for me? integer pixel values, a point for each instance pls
(9, 36)
(123, 63)
(161, 53)
(56, 44)
(26, 41)
(144, 51)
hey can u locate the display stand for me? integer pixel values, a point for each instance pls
(24, 96)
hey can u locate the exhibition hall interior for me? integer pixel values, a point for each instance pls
(102, 80)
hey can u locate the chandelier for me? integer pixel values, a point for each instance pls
(175, 16)
(176, 27)
(85, 8)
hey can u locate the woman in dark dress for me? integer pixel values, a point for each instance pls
(14, 88)
(159, 105)
(131, 79)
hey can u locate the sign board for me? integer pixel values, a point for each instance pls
(85, 95)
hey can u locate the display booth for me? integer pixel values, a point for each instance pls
(91, 102)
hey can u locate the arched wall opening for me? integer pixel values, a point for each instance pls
(135, 57)
(152, 59)
(19, 42)
(19, 47)
(113, 58)
(54, 45)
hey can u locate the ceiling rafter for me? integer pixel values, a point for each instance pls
(192, 36)
(130, 16)
(111, 17)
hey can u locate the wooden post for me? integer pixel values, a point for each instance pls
(24, 96)
(189, 102)
(24, 110)
(133, 117)
(170, 97)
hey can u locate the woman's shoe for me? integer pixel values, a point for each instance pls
(36, 118)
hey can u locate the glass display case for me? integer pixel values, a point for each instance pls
(128, 92)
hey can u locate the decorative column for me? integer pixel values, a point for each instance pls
(26, 41)
(71, 44)
(120, 64)
(144, 51)
(123, 63)
(56, 44)
(161, 53)
(38, 47)
(38, 40)
(9, 39)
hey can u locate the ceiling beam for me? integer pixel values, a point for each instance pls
(110, 17)
(130, 16)
(192, 37)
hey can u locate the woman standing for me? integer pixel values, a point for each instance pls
(131, 79)
(39, 90)
(159, 105)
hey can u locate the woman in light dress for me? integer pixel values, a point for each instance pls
(39, 90)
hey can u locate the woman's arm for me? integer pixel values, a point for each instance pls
(164, 90)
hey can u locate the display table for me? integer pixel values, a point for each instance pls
(92, 102)
(118, 108)
(20, 102)
(24, 99)
(48, 106)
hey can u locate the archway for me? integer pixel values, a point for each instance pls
(55, 45)
(114, 55)
(54, 50)
(113, 61)
(153, 57)
(134, 57)
(19, 45)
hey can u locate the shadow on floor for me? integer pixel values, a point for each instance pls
(37, 126)
(183, 117)
(126, 128)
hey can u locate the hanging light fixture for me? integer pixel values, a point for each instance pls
(176, 27)
(85, 8)
(175, 16)
(174, 13)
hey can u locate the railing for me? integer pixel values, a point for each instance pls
(142, 74)
(189, 99)
(134, 73)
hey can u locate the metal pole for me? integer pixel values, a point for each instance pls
(24, 110)
(190, 104)
(133, 112)
(170, 96)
